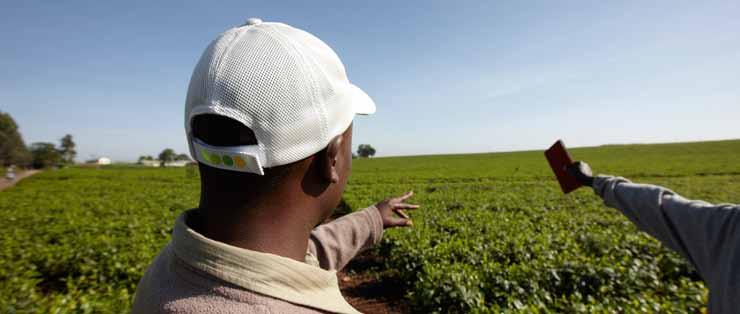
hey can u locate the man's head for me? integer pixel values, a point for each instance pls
(269, 106)
(322, 176)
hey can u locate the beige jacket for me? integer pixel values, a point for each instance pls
(194, 274)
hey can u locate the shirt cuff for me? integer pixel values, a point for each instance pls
(599, 180)
(376, 223)
(604, 182)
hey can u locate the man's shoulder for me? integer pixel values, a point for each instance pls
(171, 286)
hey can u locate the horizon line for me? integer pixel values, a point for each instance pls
(569, 147)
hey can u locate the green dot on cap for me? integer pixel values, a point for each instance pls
(228, 161)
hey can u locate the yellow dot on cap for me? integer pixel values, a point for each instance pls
(239, 162)
(215, 159)
(204, 153)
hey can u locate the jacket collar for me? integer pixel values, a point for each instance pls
(269, 274)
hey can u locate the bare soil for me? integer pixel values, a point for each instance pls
(371, 289)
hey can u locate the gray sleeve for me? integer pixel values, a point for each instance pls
(699, 231)
(334, 244)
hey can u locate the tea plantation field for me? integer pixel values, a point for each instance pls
(494, 234)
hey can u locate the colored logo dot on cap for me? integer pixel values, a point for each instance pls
(228, 161)
(215, 159)
(239, 162)
(204, 154)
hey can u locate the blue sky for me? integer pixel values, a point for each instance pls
(447, 76)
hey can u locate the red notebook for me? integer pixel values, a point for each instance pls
(559, 160)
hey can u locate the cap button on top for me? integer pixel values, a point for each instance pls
(253, 21)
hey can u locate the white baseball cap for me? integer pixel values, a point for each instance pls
(283, 83)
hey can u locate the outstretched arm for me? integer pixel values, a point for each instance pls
(334, 244)
(703, 233)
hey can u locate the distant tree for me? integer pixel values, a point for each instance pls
(67, 149)
(354, 156)
(182, 157)
(12, 149)
(365, 150)
(147, 157)
(44, 155)
(166, 156)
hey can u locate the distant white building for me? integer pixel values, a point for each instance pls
(150, 163)
(100, 161)
(177, 163)
(158, 163)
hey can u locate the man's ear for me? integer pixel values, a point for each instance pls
(330, 157)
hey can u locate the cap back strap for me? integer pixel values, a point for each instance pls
(248, 158)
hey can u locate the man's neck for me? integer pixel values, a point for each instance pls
(272, 226)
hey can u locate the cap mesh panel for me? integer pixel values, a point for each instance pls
(283, 83)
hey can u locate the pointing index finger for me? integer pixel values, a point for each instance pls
(406, 196)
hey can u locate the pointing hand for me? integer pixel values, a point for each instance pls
(396, 205)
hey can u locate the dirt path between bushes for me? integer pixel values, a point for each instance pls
(5, 183)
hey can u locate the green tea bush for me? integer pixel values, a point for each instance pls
(78, 240)
(494, 234)
(497, 235)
